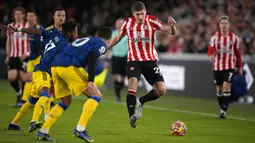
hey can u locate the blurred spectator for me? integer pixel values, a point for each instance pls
(196, 20)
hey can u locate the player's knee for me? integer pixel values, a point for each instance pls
(98, 94)
(12, 78)
(161, 91)
(66, 100)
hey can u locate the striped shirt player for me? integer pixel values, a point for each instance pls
(19, 46)
(142, 56)
(226, 53)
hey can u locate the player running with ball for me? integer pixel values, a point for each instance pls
(142, 56)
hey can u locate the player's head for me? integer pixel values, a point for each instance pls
(224, 23)
(59, 16)
(139, 11)
(18, 14)
(70, 29)
(119, 22)
(31, 17)
(105, 33)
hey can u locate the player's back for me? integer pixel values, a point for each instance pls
(55, 41)
(76, 53)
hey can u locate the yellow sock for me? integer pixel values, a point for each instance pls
(26, 92)
(88, 109)
(22, 111)
(51, 99)
(40, 104)
(55, 113)
(46, 109)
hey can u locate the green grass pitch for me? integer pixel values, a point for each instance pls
(110, 122)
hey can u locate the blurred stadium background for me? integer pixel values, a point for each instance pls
(184, 64)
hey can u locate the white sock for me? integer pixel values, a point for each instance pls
(80, 128)
(13, 123)
(45, 131)
(222, 111)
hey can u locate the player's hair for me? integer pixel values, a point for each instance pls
(105, 33)
(225, 17)
(69, 25)
(32, 11)
(58, 9)
(18, 9)
(137, 6)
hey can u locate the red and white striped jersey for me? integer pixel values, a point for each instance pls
(226, 51)
(19, 41)
(141, 38)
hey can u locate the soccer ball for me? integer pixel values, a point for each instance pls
(178, 128)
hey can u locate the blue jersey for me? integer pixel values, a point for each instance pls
(54, 42)
(36, 43)
(76, 53)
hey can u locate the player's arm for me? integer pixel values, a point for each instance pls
(115, 40)
(8, 48)
(171, 29)
(211, 50)
(32, 31)
(92, 62)
(238, 55)
(119, 36)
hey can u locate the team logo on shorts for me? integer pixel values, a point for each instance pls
(131, 68)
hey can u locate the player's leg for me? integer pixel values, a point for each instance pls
(42, 85)
(27, 77)
(226, 91)
(14, 125)
(13, 67)
(61, 91)
(89, 108)
(55, 113)
(153, 75)
(116, 77)
(134, 74)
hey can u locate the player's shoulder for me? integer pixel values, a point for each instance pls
(151, 17)
(38, 26)
(51, 27)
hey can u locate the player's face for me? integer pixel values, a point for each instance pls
(59, 17)
(18, 16)
(119, 23)
(224, 25)
(74, 34)
(139, 15)
(31, 18)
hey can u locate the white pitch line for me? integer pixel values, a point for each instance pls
(180, 111)
(186, 111)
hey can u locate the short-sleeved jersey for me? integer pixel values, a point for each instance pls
(54, 42)
(141, 38)
(19, 40)
(36, 43)
(120, 49)
(76, 54)
(225, 51)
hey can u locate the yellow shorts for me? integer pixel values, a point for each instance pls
(99, 79)
(40, 79)
(68, 80)
(32, 63)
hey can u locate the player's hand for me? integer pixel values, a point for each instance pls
(211, 58)
(11, 29)
(23, 57)
(171, 21)
(91, 89)
(240, 71)
(7, 59)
